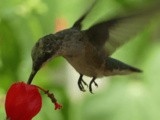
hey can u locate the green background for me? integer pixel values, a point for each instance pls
(131, 97)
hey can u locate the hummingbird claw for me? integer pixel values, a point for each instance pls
(90, 88)
(90, 84)
(80, 85)
(84, 83)
(81, 82)
(95, 84)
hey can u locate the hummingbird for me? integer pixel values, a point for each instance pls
(89, 51)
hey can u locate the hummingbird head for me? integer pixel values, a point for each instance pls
(43, 50)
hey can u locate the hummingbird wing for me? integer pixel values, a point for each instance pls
(115, 32)
(78, 23)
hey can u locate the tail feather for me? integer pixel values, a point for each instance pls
(133, 69)
(116, 67)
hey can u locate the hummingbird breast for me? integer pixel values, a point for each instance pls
(83, 56)
(81, 53)
(85, 64)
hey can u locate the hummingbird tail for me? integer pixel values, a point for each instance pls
(133, 69)
(116, 67)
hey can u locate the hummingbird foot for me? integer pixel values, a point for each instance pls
(81, 83)
(90, 84)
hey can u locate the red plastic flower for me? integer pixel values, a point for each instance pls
(23, 101)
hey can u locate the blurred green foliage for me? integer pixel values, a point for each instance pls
(133, 97)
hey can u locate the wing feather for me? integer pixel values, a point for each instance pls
(115, 32)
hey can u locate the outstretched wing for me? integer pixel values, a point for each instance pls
(78, 23)
(115, 32)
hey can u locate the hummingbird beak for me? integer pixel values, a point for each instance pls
(45, 49)
(33, 73)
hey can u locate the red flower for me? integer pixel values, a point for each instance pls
(23, 101)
